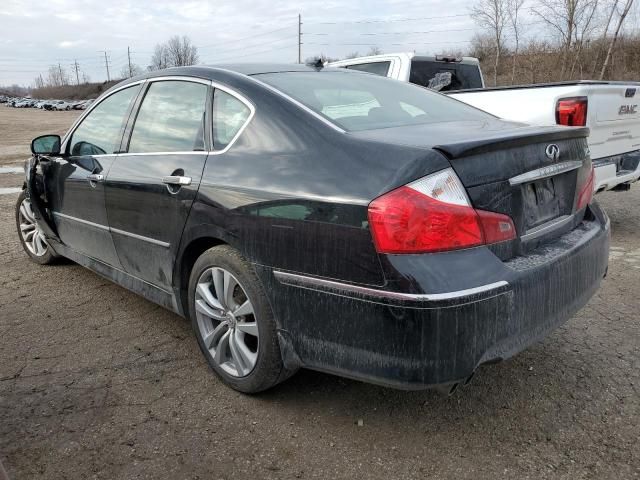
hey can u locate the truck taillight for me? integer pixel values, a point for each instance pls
(433, 214)
(572, 112)
(585, 194)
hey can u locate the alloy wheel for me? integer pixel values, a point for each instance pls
(32, 236)
(226, 322)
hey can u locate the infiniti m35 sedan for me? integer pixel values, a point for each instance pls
(323, 218)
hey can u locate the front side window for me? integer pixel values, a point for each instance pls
(171, 118)
(101, 130)
(365, 102)
(229, 115)
(377, 68)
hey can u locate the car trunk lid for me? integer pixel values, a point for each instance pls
(532, 174)
(534, 177)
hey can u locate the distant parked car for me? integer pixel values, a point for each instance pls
(61, 105)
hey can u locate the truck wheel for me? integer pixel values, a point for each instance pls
(233, 321)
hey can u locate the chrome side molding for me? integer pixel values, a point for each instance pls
(374, 294)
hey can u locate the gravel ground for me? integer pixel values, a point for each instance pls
(96, 382)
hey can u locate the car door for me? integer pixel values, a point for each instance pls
(74, 179)
(151, 185)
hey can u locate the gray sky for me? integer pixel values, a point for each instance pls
(36, 34)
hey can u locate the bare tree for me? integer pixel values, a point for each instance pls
(513, 11)
(160, 58)
(569, 19)
(623, 15)
(374, 51)
(603, 40)
(181, 51)
(351, 55)
(57, 76)
(491, 15)
(176, 52)
(126, 73)
(583, 32)
(38, 82)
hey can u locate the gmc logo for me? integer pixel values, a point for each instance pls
(628, 109)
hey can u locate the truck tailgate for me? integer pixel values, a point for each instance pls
(614, 119)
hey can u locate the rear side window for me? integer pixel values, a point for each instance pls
(171, 118)
(101, 130)
(462, 76)
(377, 68)
(229, 116)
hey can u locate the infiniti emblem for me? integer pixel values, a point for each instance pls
(553, 152)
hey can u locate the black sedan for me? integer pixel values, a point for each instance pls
(323, 218)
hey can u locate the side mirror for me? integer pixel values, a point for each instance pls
(46, 145)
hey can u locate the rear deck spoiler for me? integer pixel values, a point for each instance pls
(527, 137)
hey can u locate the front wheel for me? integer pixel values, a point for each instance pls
(31, 237)
(233, 321)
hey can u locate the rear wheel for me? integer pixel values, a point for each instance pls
(233, 321)
(31, 237)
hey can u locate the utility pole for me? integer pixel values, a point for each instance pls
(299, 38)
(61, 76)
(129, 57)
(106, 64)
(76, 67)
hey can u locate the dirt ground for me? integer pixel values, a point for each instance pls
(97, 383)
(18, 126)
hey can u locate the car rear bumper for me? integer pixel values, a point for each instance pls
(417, 340)
(617, 170)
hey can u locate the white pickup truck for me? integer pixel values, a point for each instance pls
(610, 109)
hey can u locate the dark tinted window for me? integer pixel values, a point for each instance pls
(101, 131)
(378, 68)
(365, 102)
(463, 76)
(229, 115)
(171, 118)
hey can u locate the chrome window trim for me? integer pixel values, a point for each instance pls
(214, 84)
(545, 172)
(298, 104)
(179, 78)
(76, 124)
(112, 230)
(334, 287)
(244, 100)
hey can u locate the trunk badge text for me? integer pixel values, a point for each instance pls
(553, 152)
(628, 109)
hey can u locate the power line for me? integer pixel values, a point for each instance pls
(244, 38)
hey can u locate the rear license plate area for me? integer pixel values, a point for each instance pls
(542, 202)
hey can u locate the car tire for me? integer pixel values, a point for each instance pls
(31, 238)
(240, 367)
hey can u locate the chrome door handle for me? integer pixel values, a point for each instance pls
(176, 180)
(95, 177)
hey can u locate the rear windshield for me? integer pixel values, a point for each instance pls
(360, 101)
(462, 76)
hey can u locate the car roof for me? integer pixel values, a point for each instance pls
(211, 72)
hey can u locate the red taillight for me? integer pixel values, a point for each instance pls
(572, 112)
(433, 215)
(586, 192)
